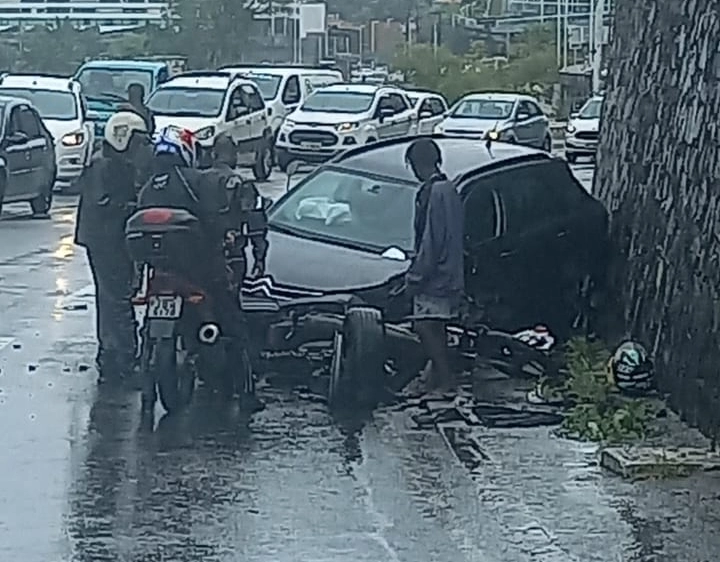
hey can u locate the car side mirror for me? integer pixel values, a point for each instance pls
(425, 114)
(523, 116)
(18, 137)
(267, 203)
(385, 112)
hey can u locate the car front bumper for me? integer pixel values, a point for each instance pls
(317, 143)
(70, 161)
(575, 145)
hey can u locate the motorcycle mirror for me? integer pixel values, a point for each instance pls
(292, 169)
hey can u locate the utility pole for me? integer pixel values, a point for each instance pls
(597, 49)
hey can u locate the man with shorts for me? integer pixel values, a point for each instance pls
(436, 278)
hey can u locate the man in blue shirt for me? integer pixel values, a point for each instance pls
(436, 277)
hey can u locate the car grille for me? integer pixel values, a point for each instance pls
(466, 132)
(587, 135)
(323, 138)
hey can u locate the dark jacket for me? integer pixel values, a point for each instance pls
(144, 112)
(437, 269)
(107, 196)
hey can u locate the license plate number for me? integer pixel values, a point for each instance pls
(168, 307)
(311, 145)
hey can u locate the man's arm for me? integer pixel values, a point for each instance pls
(257, 233)
(433, 234)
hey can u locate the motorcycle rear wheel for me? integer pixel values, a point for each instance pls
(175, 379)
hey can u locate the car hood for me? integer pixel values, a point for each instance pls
(473, 125)
(58, 129)
(308, 117)
(586, 125)
(298, 267)
(191, 123)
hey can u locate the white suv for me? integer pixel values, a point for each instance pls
(338, 117)
(216, 103)
(63, 111)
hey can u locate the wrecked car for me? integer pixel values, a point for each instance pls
(342, 240)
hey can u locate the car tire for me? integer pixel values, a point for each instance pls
(41, 204)
(263, 161)
(357, 370)
(571, 157)
(371, 140)
(547, 144)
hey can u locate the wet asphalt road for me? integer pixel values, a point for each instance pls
(80, 480)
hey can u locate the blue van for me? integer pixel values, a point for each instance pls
(105, 84)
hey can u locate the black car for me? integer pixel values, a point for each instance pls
(533, 237)
(27, 156)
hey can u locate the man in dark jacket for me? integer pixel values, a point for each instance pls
(108, 192)
(436, 275)
(136, 103)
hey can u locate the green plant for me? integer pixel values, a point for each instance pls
(597, 412)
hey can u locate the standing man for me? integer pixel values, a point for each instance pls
(107, 199)
(136, 101)
(436, 278)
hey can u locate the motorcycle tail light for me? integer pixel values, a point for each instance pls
(157, 216)
(196, 298)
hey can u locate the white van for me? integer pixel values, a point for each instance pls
(284, 88)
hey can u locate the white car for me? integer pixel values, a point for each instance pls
(285, 87)
(63, 111)
(583, 130)
(339, 117)
(218, 103)
(430, 108)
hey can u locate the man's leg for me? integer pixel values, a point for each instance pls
(431, 318)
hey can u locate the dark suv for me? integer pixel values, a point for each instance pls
(533, 236)
(27, 156)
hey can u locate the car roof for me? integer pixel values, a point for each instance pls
(13, 100)
(37, 81)
(352, 87)
(495, 96)
(217, 80)
(279, 70)
(125, 64)
(422, 94)
(461, 155)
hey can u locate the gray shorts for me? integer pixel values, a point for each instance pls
(435, 308)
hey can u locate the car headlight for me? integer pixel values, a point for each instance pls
(288, 123)
(345, 127)
(570, 129)
(205, 133)
(494, 135)
(73, 139)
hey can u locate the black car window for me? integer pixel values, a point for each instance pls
(253, 97)
(437, 106)
(237, 106)
(291, 94)
(528, 197)
(27, 122)
(398, 103)
(34, 122)
(481, 220)
(534, 109)
(14, 123)
(426, 107)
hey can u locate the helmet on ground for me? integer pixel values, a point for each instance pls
(120, 129)
(180, 142)
(630, 368)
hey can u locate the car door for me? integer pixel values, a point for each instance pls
(237, 119)
(18, 152)
(257, 110)
(485, 283)
(431, 113)
(524, 124)
(534, 240)
(292, 94)
(384, 113)
(404, 119)
(538, 124)
(42, 153)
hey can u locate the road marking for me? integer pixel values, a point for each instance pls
(86, 292)
(5, 341)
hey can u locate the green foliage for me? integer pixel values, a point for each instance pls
(598, 412)
(530, 67)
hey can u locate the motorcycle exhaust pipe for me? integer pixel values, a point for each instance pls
(209, 333)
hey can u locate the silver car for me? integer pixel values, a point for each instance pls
(583, 130)
(513, 118)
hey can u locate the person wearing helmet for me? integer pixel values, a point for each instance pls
(108, 193)
(177, 183)
(436, 278)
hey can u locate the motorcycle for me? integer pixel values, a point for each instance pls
(181, 339)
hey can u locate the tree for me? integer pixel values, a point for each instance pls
(659, 176)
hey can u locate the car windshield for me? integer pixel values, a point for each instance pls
(268, 84)
(187, 102)
(51, 104)
(483, 109)
(339, 102)
(350, 208)
(591, 110)
(105, 84)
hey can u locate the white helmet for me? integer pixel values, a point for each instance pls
(120, 128)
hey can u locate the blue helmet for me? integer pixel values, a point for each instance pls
(181, 142)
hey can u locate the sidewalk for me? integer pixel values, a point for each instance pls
(544, 498)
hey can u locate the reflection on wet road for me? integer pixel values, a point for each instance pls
(82, 479)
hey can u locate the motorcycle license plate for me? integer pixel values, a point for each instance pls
(165, 307)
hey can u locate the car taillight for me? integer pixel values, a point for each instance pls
(157, 216)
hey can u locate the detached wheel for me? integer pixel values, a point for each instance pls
(175, 379)
(357, 369)
(263, 162)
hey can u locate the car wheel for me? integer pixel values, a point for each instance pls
(571, 157)
(41, 204)
(263, 162)
(371, 140)
(357, 369)
(547, 144)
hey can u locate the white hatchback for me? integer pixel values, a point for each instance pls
(62, 109)
(583, 130)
